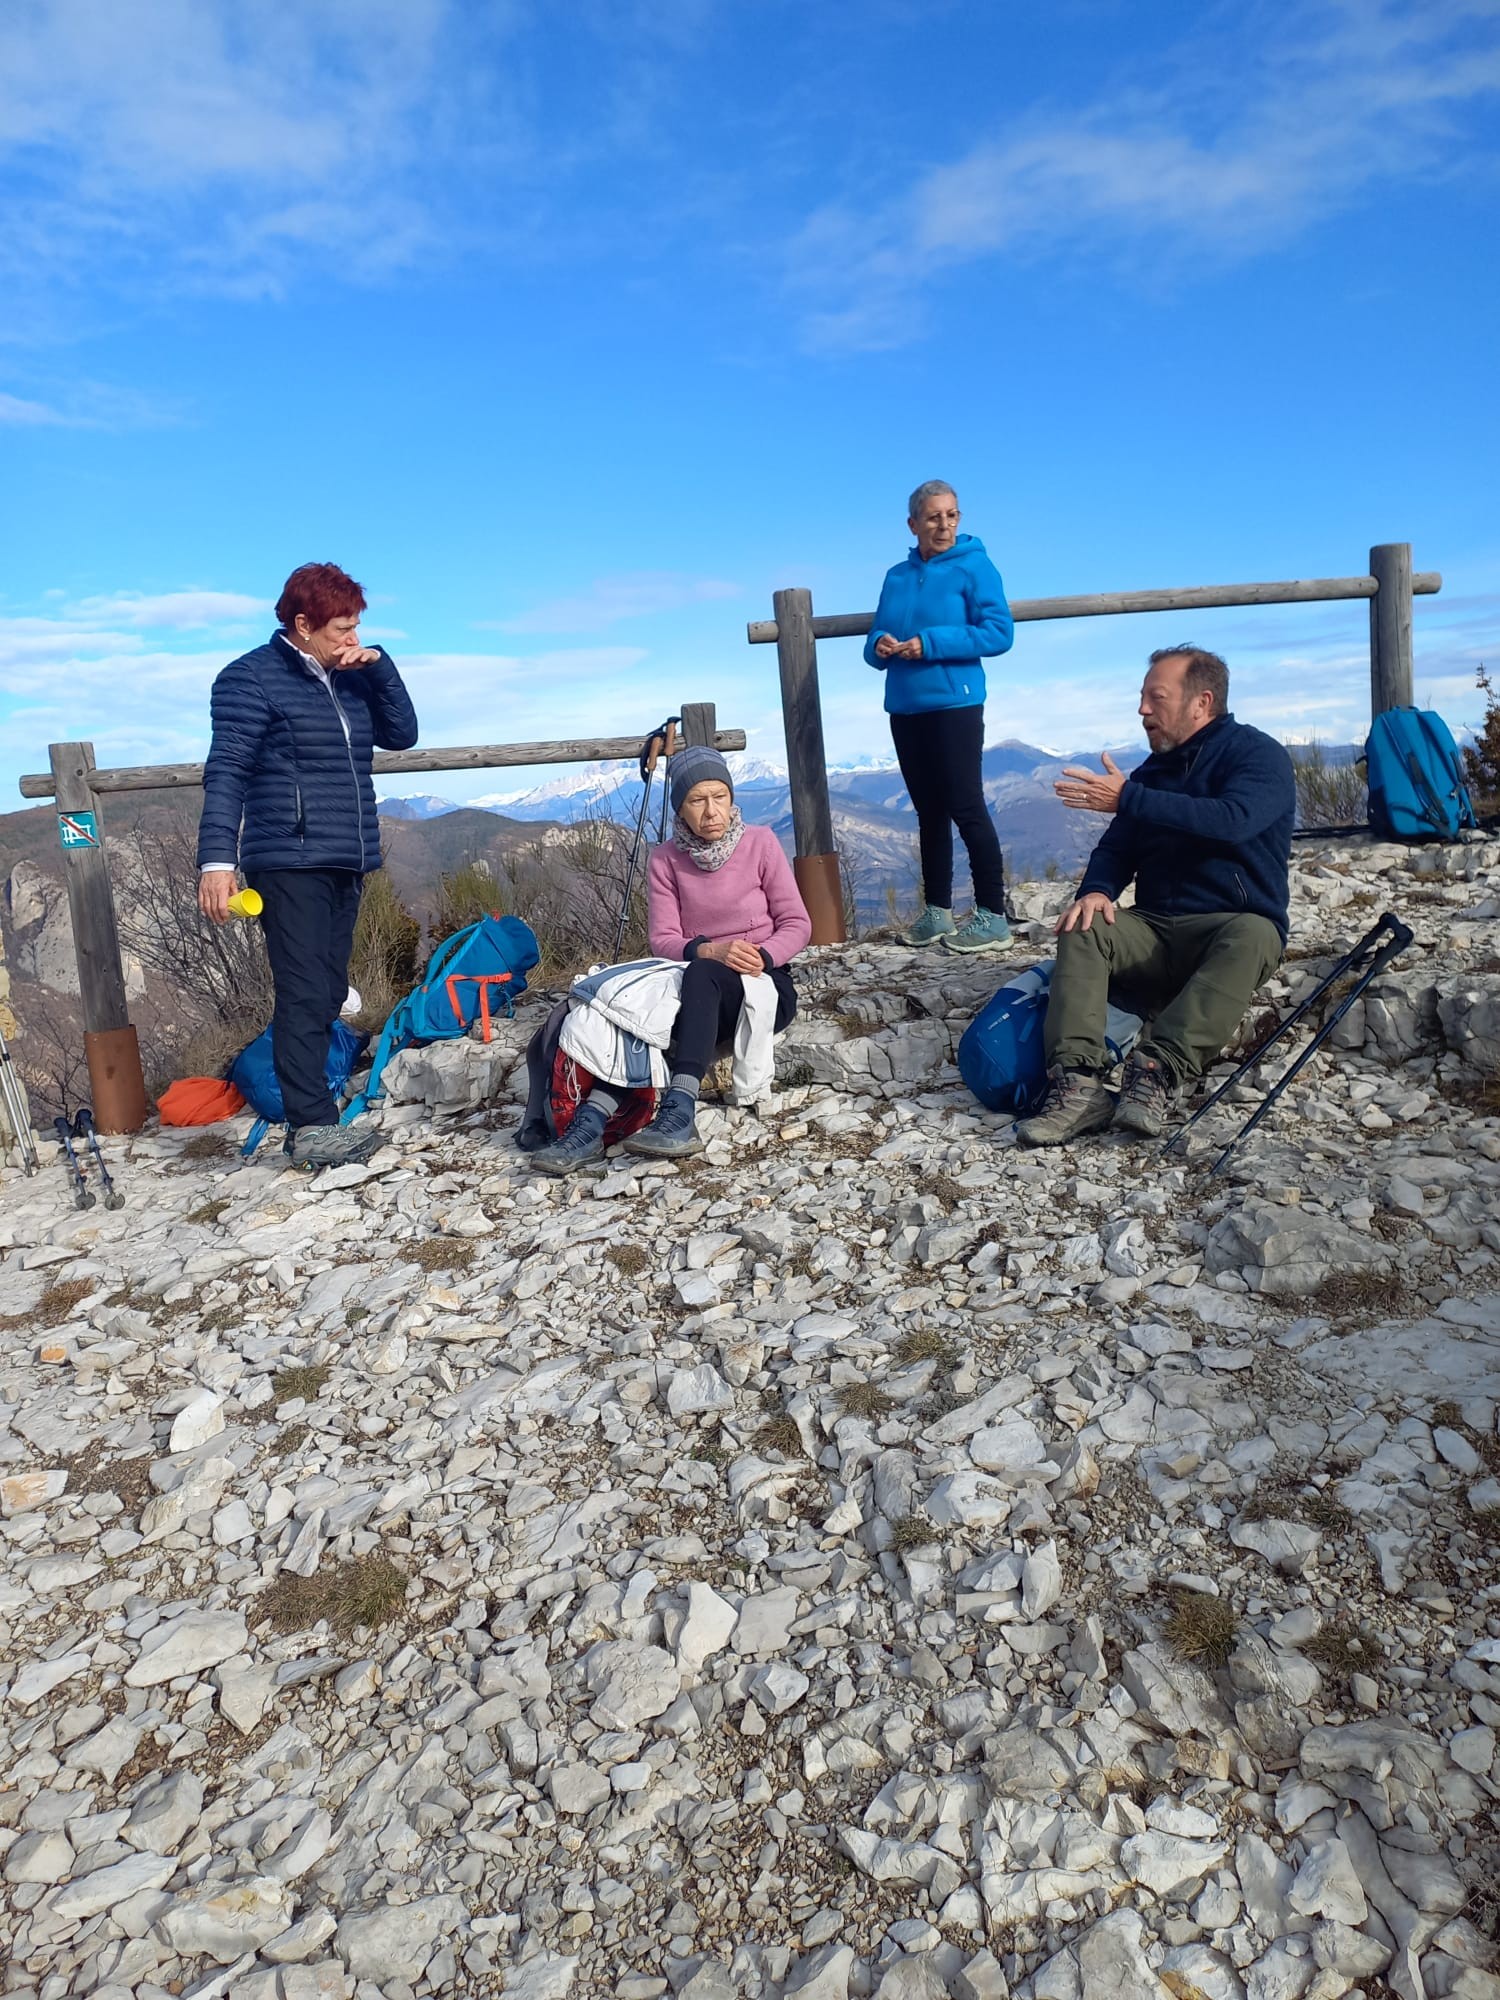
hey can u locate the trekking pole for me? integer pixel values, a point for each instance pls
(82, 1197)
(1346, 964)
(666, 783)
(83, 1128)
(1401, 937)
(16, 1114)
(651, 750)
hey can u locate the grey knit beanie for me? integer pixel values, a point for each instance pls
(696, 764)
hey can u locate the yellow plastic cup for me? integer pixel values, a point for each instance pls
(246, 903)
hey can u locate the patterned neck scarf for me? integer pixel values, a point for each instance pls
(708, 854)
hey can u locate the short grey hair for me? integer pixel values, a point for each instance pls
(928, 490)
(1205, 673)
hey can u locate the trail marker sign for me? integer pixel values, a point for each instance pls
(79, 829)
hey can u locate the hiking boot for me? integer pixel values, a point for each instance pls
(1076, 1103)
(672, 1133)
(930, 926)
(314, 1146)
(579, 1146)
(986, 930)
(1145, 1098)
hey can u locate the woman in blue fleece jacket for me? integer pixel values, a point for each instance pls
(941, 613)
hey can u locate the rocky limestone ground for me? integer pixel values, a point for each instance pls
(867, 1559)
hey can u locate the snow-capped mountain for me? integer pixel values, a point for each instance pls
(421, 805)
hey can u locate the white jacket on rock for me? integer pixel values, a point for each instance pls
(621, 1020)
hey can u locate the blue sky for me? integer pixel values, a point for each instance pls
(574, 333)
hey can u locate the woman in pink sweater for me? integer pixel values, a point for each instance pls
(720, 895)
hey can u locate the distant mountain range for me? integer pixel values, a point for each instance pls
(874, 824)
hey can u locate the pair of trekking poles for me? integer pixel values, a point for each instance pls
(18, 1118)
(1365, 961)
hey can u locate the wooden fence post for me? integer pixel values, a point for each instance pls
(816, 865)
(700, 723)
(114, 1058)
(1390, 628)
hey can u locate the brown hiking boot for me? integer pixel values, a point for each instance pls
(1076, 1103)
(1145, 1098)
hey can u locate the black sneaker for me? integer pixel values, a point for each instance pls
(1145, 1098)
(1076, 1103)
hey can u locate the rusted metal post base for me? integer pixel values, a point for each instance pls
(115, 1080)
(822, 890)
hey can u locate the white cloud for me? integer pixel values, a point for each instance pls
(17, 410)
(642, 594)
(1219, 160)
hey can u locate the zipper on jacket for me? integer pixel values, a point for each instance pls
(299, 824)
(1243, 892)
(343, 722)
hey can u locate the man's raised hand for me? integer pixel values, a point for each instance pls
(1080, 915)
(1091, 791)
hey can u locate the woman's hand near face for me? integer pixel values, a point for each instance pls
(736, 954)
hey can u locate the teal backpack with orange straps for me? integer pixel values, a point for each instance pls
(478, 972)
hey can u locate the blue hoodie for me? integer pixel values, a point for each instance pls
(955, 603)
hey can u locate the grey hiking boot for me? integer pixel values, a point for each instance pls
(932, 925)
(1076, 1103)
(1145, 1098)
(314, 1146)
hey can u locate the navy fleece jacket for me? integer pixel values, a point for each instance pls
(287, 783)
(955, 604)
(1205, 829)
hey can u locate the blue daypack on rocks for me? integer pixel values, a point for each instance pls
(1415, 778)
(1000, 1054)
(253, 1074)
(479, 971)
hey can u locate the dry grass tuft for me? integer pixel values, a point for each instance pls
(210, 1211)
(1287, 1497)
(1201, 1628)
(57, 1303)
(206, 1146)
(628, 1258)
(780, 1434)
(439, 1253)
(940, 1187)
(1343, 1648)
(365, 1591)
(910, 1532)
(864, 1399)
(304, 1382)
(926, 1344)
(1363, 1296)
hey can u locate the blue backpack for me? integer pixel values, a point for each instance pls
(253, 1075)
(1000, 1054)
(477, 972)
(1416, 781)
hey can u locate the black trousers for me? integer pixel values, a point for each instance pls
(939, 754)
(308, 921)
(712, 1000)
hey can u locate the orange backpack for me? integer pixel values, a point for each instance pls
(198, 1100)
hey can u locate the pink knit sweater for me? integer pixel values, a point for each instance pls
(753, 896)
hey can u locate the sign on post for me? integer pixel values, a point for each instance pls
(79, 829)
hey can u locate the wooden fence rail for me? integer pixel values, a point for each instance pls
(795, 630)
(110, 1043)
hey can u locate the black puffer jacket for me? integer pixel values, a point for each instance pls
(283, 763)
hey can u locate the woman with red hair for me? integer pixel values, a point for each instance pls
(288, 798)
